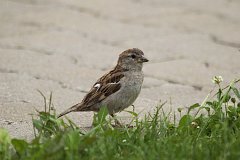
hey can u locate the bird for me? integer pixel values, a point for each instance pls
(118, 89)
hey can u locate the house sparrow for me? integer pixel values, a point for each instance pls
(117, 89)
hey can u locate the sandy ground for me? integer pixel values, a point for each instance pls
(64, 46)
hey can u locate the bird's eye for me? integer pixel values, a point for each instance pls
(133, 56)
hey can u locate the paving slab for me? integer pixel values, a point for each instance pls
(64, 46)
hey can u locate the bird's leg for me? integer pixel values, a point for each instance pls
(133, 107)
(117, 123)
(128, 125)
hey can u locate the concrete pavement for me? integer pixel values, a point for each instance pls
(64, 46)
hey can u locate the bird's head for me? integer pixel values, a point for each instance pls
(132, 59)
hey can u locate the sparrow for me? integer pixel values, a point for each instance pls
(117, 89)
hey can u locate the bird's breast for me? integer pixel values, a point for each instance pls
(130, 88)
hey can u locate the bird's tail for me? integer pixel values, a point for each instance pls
(71, 109)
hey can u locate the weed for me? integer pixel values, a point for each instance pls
(214, 135)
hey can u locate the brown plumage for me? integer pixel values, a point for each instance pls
(104, 90)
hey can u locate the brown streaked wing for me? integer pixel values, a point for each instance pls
(101, 94)
(108, 85)
(113, 76)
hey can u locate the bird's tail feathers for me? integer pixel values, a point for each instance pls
(71, 109)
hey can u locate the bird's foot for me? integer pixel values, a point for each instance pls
(117, 122)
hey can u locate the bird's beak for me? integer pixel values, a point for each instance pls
(143, 59)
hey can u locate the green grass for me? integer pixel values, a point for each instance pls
(214, 135)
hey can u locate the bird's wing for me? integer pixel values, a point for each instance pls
(104, 87)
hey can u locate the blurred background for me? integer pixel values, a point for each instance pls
(64, 46)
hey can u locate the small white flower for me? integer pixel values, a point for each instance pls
(198, 127)
(124, 141)
(194, 124)
(217, 79)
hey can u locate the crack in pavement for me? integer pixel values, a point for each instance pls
(72, 59)
(20, 47)
(3, 70)
(37, 77)
(85, 35)
(80, 9)
(60, 83)
(25, 2)
(195, 87)
(219, 41)
(6, 122)
(167, 59)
